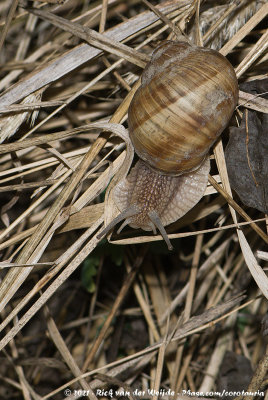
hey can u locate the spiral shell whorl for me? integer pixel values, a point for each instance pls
(187, 96)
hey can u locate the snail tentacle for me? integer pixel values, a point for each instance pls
(157, 222)
(125, 214)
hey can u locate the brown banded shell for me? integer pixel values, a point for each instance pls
(187, 96)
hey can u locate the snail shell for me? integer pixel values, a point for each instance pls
(186, 99)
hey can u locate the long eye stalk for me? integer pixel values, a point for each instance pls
(129, 212)
(157, 222)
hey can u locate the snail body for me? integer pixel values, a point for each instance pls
(186, 99)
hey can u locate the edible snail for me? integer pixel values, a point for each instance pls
(186, 99)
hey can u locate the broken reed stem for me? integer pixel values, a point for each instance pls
(237, 208)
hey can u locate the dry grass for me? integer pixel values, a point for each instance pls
(101, 317)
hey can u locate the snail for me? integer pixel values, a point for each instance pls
(186, 99)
